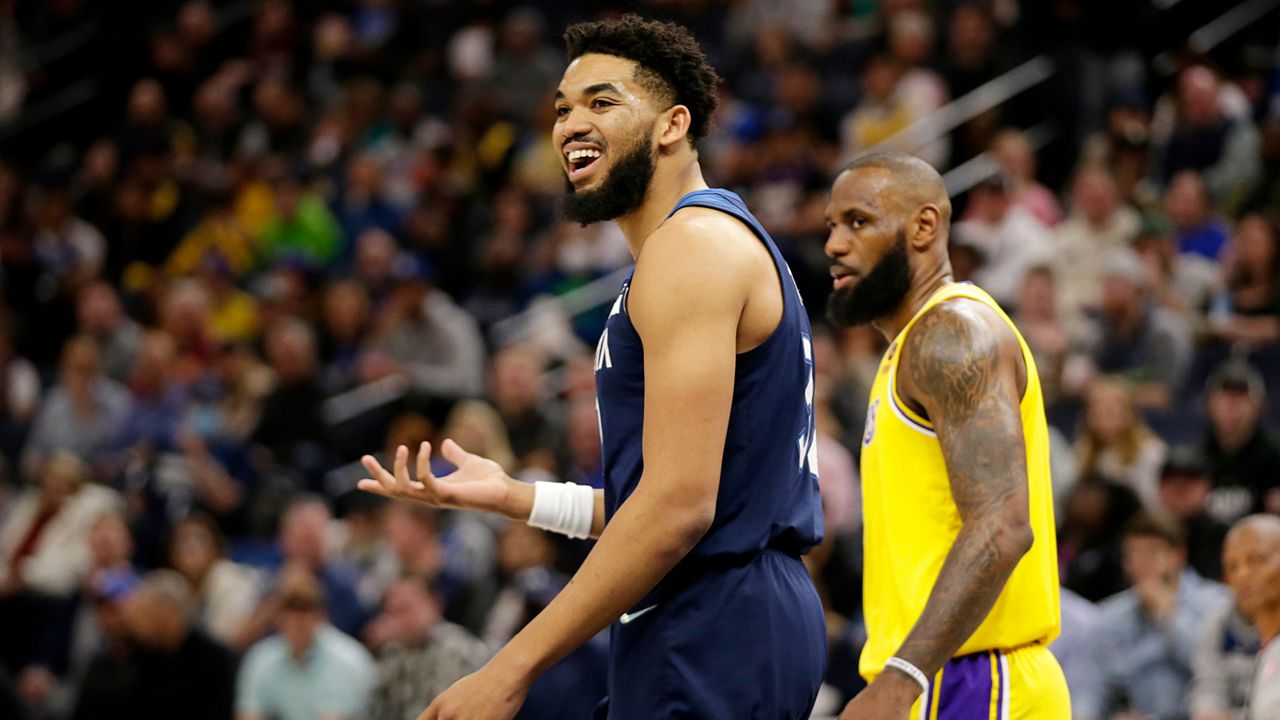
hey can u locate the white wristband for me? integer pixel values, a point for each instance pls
(916, 674)
(566, 508)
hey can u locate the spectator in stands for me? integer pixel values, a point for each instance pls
(1115, 443)
(1183, 494)
(1093, 517)
(1252, 563)
(444, 560)
(69, 249)
(1247, 312)
(291, 425)
(1010, 237)
(1223, 665)
(524, 68)
(345, 323)
(186, 315)
(1198, 230)
(533, 419)
(1223, 148)
(419, 654)
(310, 669)
(1133, 338)
(582, 445)
(881, 114)
(422, 334)
(158, 401)
(362, 203)
(1098, 222)
(477, 426)
(921, 89)
(78, 631)
(1047, 332)
(225, 592)
(175, 670)
(82, 414)
(1147, 634)
(303, 229)
(100, 316)
(1242, 452)
(97, 694)
(218, 237)
(1183, 283)
(1013, 152)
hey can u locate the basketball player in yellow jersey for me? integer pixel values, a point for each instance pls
(961, 584)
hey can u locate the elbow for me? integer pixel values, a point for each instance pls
(1016, 541)
(689, 526)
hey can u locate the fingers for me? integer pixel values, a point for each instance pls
(424, 462)
(402, 469)
(454, 453)
(383, 479)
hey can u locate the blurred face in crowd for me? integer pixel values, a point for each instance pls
(409, 605)
(375, 257)
(364, 176)
(880, 79)
(1095, 196)
(154, 367)
(1251, 565)
(1233, 413)
(292, 353)
(1037, 297)
(147, 105)
(194, 550)
(153, 621)
(1186, 201)
(1255, 244)
(1108, 411)
(79, 366)
(911, 37)
(110, 542)
(1121, 296)
(867, 245)
(1184, 493)
(516, 381)
(1198, 100)
(971, 35)
(302, 533)
(408, 531)
(302, 609)
(605, 137)
(196, 22)
(584, 434)
(1015, 155)
(53, 209)
(98, 309)
(521, 547)
(1087, 507)
(215, 104)
(1149, 557)
(346, 309)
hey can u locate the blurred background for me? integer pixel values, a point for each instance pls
(243, 242)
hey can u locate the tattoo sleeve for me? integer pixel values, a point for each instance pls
(963, 369)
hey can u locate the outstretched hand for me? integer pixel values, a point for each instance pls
(477, 484)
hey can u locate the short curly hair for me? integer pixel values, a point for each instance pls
(672, 65)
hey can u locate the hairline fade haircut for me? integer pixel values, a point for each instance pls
(670, 63)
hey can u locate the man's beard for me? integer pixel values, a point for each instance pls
(622, 191)
(877, 294)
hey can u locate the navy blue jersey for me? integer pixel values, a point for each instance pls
(768, 496)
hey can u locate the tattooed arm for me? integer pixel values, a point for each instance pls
(965, 369)
(962, 366)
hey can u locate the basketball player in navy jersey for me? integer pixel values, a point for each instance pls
(704, 376)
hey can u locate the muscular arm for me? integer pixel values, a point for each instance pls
(688, 320)
(963, 367)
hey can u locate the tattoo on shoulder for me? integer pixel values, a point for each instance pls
(953, 359)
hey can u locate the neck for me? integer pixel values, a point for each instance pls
(671, 181)
(1268, 623)
(917, 296)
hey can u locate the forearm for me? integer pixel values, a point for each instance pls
(972, 577)
(520, 504)
(642, 543)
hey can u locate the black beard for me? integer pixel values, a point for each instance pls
(877, 294)
(621, 192)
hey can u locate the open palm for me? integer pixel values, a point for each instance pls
(477, 484)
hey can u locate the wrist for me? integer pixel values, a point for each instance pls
(900, 683)
(519, 500)
(517, 663)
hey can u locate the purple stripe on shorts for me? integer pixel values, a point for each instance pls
(966, 688)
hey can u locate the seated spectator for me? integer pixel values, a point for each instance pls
(1134, 338)
(302, 228)
(362, 203)
(226, 593)
(218, 237)
(106, 655)
(1183, 494)
(456, 564)
(1147, 634)
(422, 334)
(582, 458)
(1223, 665)
(1208, 140)
(1242, 452)
(1046, 330)
(345, 323)
(20, 392)
(881, 114)
(175, 670)
(1017, 159)
(1247, 312)
(1097, 223)
(82, 414)
(291, 425)
(100, 316)
(1011, 238)
(1093, 517)
(186, 315)
(310, 669)
(77, 632)
(533, 419)
(1251, 561)
(419, 654)
(1196, 228)
(1183, 283)
(43, 542)
(68, 248)
(158, 398)
(1115, 443)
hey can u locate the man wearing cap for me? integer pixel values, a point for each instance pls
(1183, 491)
(1242, 454)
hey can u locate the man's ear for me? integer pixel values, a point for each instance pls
(926, 228)
(674, 123)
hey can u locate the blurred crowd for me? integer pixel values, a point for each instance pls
(279, 235)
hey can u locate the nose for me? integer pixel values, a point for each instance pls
(837, 243)
(572, 125)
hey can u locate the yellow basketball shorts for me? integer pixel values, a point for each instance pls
(1021, 684)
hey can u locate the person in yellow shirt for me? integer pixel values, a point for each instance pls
(960, 588)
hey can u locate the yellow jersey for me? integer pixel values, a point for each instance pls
(910, 519)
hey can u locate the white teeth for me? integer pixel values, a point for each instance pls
(579, 154)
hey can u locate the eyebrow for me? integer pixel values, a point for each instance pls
(603, 87)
